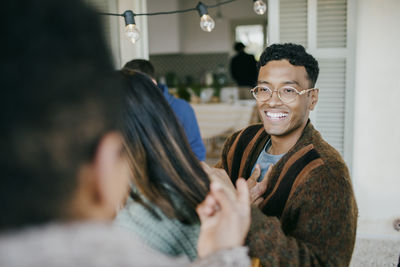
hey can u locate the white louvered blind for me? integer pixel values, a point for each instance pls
(330, 114)
(331, 23)
(321, 25)
(293, 21)
(332, 33)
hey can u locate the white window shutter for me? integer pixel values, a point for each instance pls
(321, 26)
(331, 34)
(331, 23)
(330, 115)
(293, 21)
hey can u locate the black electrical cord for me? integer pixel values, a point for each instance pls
(110, 14)
(170, 12)
(167, 12)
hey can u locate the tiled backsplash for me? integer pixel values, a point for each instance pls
(194, 65)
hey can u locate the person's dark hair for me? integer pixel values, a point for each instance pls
(239, 47)
(164, 168)
(141, 65)
(55, 105)
(295, 54)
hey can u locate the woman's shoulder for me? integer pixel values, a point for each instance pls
(158, 231)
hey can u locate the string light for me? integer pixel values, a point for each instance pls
(259, 7)
(131, 31)
(206, 22)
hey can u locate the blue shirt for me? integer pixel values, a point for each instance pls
(265, 159)
(187, 118)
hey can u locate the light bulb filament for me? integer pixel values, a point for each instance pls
(207, 23)
(132, 33)
(259, 7)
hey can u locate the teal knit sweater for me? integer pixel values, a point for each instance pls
(168, 236)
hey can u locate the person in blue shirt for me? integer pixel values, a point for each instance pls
(182, 109)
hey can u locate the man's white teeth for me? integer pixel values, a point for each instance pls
(276, 115)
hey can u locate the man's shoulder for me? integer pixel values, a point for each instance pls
(182, 103)
(181, 106)
(327, 152)
(333, 164)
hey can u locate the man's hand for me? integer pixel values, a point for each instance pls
(224, 221)
(257, 189)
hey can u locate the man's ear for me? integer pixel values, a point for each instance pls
(110, 173)
(313, 98)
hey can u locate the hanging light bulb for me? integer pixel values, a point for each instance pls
(131, 31)
(259, 7)
(207, 24)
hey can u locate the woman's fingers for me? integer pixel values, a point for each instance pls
(243, 193)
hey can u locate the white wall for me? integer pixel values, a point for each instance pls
(195, 40)
(376, 158)
(181, 33)
(164, 35)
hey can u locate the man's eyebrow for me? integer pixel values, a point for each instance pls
(285, 82)
(292, 82)
(262, 81)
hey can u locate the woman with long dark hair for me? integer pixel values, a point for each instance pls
(168, 181)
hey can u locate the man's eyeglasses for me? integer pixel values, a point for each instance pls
(286, 94)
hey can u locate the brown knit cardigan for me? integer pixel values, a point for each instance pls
(309, 214)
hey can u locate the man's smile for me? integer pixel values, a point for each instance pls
(276, 115)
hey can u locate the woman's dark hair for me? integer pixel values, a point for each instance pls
(163, 166)
(295, 54)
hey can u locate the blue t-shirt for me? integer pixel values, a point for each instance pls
(265, 159)
(187, 118)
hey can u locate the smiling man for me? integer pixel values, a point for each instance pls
(307, 215)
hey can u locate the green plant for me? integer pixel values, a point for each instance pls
(196, 88)
(183, 93)
(217, 87)
(172, 79)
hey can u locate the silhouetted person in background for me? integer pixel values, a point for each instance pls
(243, 69)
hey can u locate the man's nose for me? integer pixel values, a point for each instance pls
(274, 99)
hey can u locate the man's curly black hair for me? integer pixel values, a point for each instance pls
(295, 54)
